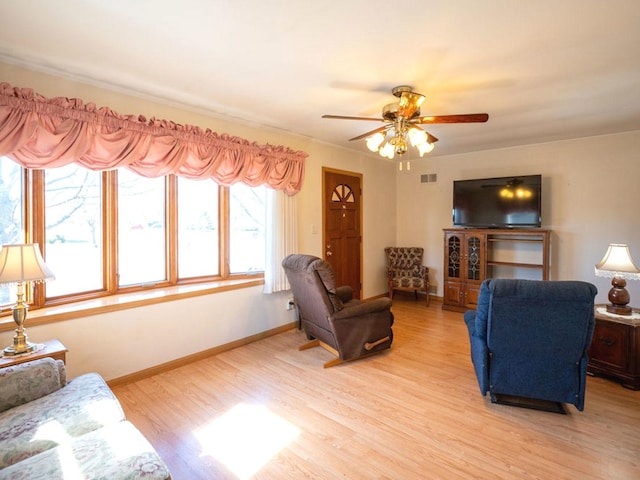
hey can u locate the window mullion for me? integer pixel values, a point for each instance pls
(110, 230)
(35, 222)
(172, 228)
(223, 215)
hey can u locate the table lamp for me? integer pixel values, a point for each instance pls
(618, 264)
(19, 264)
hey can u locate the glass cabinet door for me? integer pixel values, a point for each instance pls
(454, 256)
(473, 258)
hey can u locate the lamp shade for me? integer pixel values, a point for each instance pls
(387, 150)
(417, 136)
(374, 141)
(617, 262)
(22, 263)
(425, 147)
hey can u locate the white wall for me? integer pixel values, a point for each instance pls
(120, 343)
(591, 196)
(124, 342)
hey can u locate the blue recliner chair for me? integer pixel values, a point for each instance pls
(529, 340)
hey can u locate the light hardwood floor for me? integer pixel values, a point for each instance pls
(269, 411)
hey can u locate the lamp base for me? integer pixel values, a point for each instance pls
(619, 297)
(13, 350)
(619, 310)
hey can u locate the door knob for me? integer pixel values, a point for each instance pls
(329, 254)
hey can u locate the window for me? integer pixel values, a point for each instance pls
(11, 213)
(111, 232)
(246, 228)
(198, 233)
(73, 230)
(141, 229)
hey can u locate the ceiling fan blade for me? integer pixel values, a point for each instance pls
(344, 117)
(364, 135)
(409, 104)
(463, 118)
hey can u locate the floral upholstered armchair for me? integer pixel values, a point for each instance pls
(405, 270)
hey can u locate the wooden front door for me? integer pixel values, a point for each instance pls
(342, 240)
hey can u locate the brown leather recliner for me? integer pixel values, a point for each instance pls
(331, 317)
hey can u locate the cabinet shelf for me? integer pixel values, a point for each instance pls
(518, 240)
(494, 263)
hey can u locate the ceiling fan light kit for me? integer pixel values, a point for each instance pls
(402, 119)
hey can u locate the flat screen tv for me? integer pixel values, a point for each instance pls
(504, 202)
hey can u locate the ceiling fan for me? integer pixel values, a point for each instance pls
(403, 122)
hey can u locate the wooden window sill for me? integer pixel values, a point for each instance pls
(123, 301)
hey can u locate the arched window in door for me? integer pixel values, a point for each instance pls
(342, 193)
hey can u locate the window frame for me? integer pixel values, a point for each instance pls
(35, 226)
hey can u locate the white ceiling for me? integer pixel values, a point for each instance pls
(543, 70)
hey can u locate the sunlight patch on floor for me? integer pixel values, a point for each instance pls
(245, 438)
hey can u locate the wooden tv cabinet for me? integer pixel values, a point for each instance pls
(473, 254)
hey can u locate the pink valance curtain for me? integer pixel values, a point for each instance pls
(41, 133)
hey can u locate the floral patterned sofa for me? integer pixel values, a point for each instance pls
(53, 429)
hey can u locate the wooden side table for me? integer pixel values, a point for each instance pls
(615, 347)
(52, 348)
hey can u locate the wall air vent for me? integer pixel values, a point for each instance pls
(429, 178)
